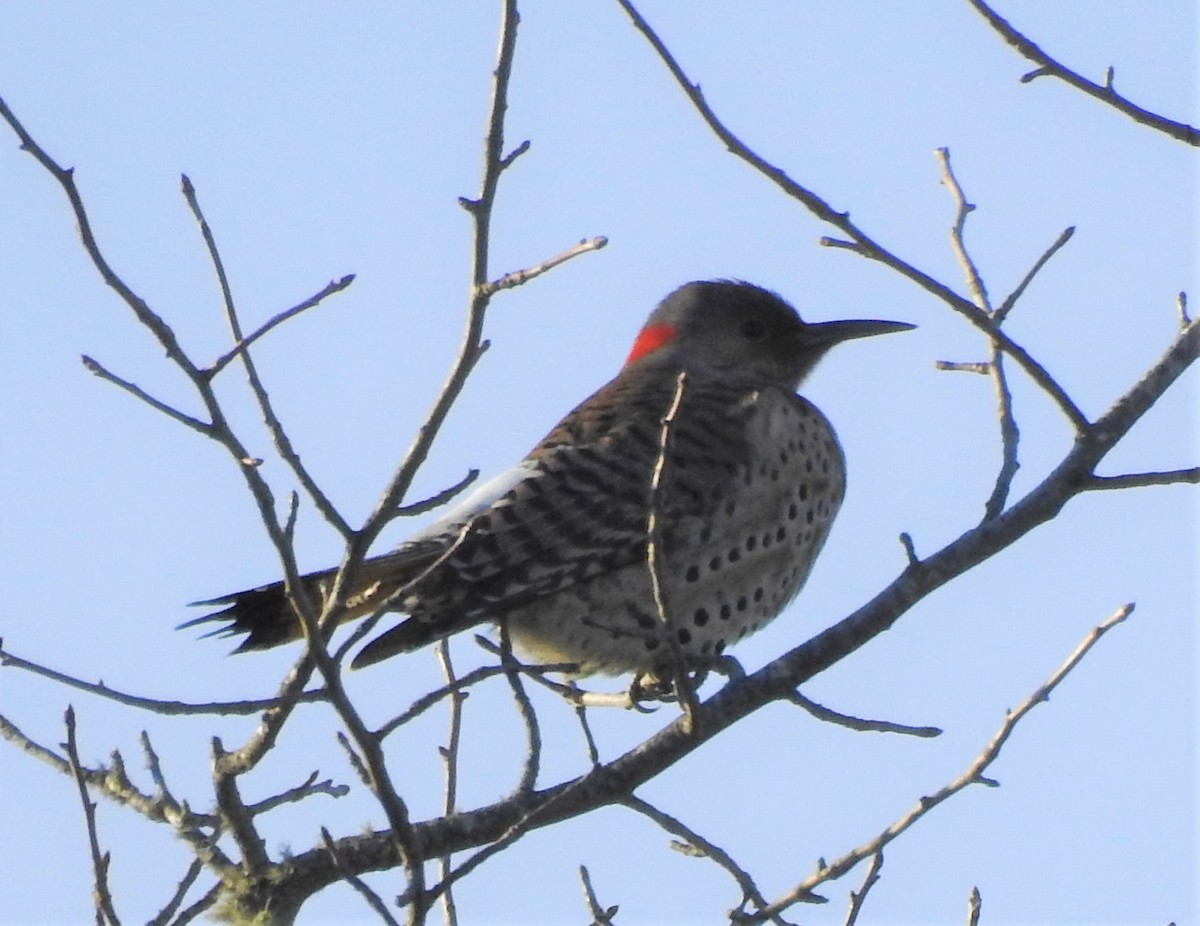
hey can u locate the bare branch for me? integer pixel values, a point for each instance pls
(163, 917)
(982, 367)
(520, 277)
(450, 757)
(1005, 307)
(283, 443)
(685, 692)
(859, 242)
(974, 907)
(201, 906)
(1009, 433)
(333, 286)
(474, 677)
(533, 733)
(588, 739)
(105, 914)
(154, 705)
(374, 901)
(975, 285)
(601, 916)
(858, 723)
(857, 898)
(114, 784)
(65, 177)
(96, 367)
(236, 815)
(438, 499)
(1048, 67)
(973, 775)
(702, 848)
(308, 788)
(1138, 480)
(1010, 438)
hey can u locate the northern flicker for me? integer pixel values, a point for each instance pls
(556, 547)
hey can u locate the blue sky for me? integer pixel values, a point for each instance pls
(326, 140)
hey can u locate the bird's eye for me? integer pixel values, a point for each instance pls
(753, 329)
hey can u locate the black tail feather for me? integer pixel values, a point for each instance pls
(263, 614)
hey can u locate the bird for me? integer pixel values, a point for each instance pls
(701, 427)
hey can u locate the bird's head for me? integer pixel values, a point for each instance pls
(734, 329)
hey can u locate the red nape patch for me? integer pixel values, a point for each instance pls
(650, 339)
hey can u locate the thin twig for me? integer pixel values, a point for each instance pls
(858, 723)
(95, 367)
(601, 916)
(1049, 67)
(474, 677)
(114, 784)
(975, 284)
(974, 907)
(438, 499)
(163, 917)
(699, 846)
(684, 691)
(1010, 438)
(283, 443)
(533, 733)
(1010, 435)
(544, 805)
(333, 286)
(520, 277)
(65, 177)
(1138, 480)
(154, 705)
(237, 815)
(588, 738)
(374, 901)
(973, 775)
(449, 754)
(857, 898)
(201, 906)
(154, 766)
(982, 367)
(101, 896)
(307, 788)
(859, 241)
(1007, 305)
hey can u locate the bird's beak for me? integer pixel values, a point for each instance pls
(830, 333)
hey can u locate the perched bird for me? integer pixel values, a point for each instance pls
(556, 547)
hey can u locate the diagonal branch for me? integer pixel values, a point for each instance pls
(860, 242)
(95, 367)
(106, 915)
(972, 775)
(1105, 92)
(154, 705)
(334, 286)
(695, 844)
(611, 782)
(283, 443)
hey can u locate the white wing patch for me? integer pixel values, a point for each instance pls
(478, 500)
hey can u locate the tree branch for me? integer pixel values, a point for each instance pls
(102, 897)
(861, 243)
(973, 775)
(1105, 93)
